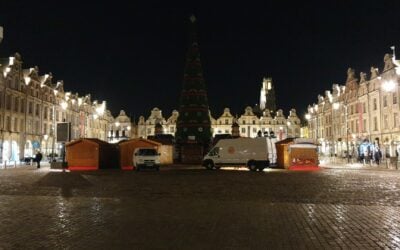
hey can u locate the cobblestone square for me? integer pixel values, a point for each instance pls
(192, 208)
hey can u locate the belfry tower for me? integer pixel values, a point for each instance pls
(267, 95)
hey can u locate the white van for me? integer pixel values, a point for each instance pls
(146, 158)
(255, 153)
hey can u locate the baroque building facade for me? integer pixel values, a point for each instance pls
(121, 128)
(31, 105)
(360, 110)
(251, 122)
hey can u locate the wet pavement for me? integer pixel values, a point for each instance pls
(191, 208)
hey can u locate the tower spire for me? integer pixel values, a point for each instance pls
(267, 95)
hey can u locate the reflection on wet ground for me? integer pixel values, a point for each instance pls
(200, 209)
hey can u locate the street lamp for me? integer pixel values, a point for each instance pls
(335, 106)
(308, 117)
(388, 86)
(45, 137)
(347, 132)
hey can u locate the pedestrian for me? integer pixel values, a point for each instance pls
(377, 155)
(366, 155)
(38, 158)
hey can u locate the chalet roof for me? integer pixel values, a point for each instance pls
(92, 140)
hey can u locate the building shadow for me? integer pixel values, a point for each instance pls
(66, 181)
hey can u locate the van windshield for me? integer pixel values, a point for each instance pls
(214, 151)
(147, 151)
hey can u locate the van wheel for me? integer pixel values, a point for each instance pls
(261, 169)
(252, 165)
(209, 165)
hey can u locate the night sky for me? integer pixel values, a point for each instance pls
(133, 56)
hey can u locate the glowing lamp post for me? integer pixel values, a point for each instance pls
(388, 86)
(46, 137)
(100, 109)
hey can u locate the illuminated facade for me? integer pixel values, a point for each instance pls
(361, 109)
(30, 107)
(249, 123)
(121, 128)
(267, 95)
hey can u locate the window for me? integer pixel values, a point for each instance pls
(16, 104)
(226, 121)
(364, 108)
(22, 125)
(214, 151)
(171, 129)
(375, 106)
(364, 128)
(30, 108)
(385, 121)
(352, 126)
(385, 101)
(1, 99)
(37, 110)
(22, 106)
(254, 122)
(375, 123)
(8, 123)
(243, 130)
(394, 98)
(16, 124)
(254, 130)
(45, 111)
(395, 117)
(357, 125)
(243, 122)
(8, 102)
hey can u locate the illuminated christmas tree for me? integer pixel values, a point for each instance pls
(193, 123)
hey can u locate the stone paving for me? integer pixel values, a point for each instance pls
(193, 208)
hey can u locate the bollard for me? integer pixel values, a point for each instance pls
(5, 164)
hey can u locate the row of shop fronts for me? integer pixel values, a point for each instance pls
(13, 152)
(357, 146)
